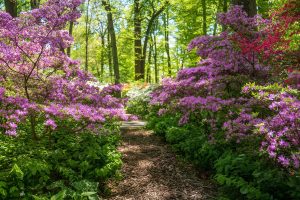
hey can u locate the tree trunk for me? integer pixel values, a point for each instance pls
(147, 34)
(113, 41)
(225, 8)
(71, 33)
(98, 73)
(102, 57)
(109, 56)
(148, 80)
(137, 42)
(216, 21)
(204, 26)
(156, 72)
(86, 66)
(11, 6)
(225, 5)
(167, 45)
(215, 28)
(248, 5)
(177, 59)
(34, 4)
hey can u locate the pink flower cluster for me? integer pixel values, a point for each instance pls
(282, 130)
(217, 80)
(38, 79)
(12, 111)
(216, 86)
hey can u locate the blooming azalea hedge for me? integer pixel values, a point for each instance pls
(241, 101)
(38, 80)
(64, 126)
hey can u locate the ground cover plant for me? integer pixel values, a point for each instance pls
(58, 131)
(238, 111)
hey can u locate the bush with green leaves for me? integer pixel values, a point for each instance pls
(240, 170)
(238, 110)
(138, 100)
(60, 166)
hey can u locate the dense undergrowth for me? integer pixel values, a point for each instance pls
(237, 113)
(63, 166)
(241, 171)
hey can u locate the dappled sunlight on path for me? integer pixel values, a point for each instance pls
(151, 170)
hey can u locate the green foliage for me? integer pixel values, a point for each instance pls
(63, 166)
(138, 100)
(160, 125)
(246, 176)
(241, 172)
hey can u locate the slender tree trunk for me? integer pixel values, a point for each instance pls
(98, 72)
(86, 66)
(34, 4)
(182, 60)
(204, 25)
(216, 21)
(225, 8)
(147, 34)
(71, 33)
(167, 44)
(225, 5)
(156, 70)
(163, 66)
(138, 42)
(109, 56)
(11, 6)
(140, 51)
(149, 63)
(215, 27)
(113, 41)
(102, 57)
(248, 5)
(177, 59)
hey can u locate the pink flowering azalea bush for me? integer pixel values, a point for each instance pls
(40, 79)
(281, 128)
(238, 110)
(63, 126)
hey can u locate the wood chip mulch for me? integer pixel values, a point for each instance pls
(151, 171)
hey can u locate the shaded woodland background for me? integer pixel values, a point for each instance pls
(127, 40)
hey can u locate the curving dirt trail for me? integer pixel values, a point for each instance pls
(152, 172)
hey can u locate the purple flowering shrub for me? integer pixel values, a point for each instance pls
(215, 85)
(45, 101)
(281, 128)
(217, 81)
(216, 116)
(39, 81)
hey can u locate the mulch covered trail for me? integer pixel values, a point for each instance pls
(151, 171)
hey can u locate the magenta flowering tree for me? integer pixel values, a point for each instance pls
(268, 113)
(39, 82)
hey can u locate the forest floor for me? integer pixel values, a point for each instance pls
(151, 171)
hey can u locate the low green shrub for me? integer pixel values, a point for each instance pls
(240, 171)
(63, 166)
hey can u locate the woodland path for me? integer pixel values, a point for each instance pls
(151, 170)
